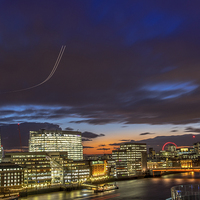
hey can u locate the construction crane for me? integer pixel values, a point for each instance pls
(20, 137)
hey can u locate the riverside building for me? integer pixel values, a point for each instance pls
(131, 159)
(44, 169)
(98, 168)
(76, 171)
(52, 141)
(11, 177)
(37, 167)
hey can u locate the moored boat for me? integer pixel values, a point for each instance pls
(106, 187)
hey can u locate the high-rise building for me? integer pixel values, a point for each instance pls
(51, 141)
(131, 159)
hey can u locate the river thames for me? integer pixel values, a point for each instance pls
(140, 189)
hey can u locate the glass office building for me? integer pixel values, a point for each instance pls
(51, 141)
(131, 159)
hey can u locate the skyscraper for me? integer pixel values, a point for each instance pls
(49, 141)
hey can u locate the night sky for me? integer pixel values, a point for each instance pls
(130, 71)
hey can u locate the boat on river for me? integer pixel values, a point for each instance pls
(106, 187)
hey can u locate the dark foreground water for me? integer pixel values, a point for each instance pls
(139, 189)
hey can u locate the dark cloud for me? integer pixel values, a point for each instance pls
(125, 62)
(88, 147)
(10, 133)
(159, 141)
(191, 129)
(179, 140)
(127, 141)
(174, 130)
(124, 141)
(69, 129)
(95, 121)
(146, 133)
(116, 144)
(104, 149)
(91, 135)
(86, 139)
(102, 145)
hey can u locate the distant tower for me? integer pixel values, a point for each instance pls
(1, 148)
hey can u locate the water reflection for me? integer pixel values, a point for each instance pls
(142, 189)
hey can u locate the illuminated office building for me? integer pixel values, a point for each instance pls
(111, 168)
(11, 177)
(98, 168)
(76, 171)
(49, 141)
(131, 159)
(121, 163)
(40, 168)
(37, 167)
(48, 168)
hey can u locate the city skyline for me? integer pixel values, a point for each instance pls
(129, 71)
(11, 142)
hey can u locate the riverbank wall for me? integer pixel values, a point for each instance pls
(69, 188)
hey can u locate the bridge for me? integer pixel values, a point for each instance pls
(175, 169)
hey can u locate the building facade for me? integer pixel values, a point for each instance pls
(197, 147)
(111, 168)
(37, 167)
(76, 171)
(58, 141)
(11, 177)
(98, 168)
(131, 159)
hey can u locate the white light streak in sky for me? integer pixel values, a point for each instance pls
(50, 75)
